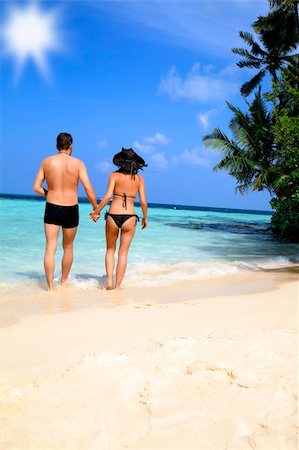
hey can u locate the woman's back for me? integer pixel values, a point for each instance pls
(126, 187)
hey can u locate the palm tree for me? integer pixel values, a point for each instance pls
(282, 20)
(283, 3)
(287, 98)
(250, 154)
(278, 37)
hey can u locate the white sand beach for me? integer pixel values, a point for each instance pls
(205, 365)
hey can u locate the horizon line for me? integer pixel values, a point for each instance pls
(82, 199)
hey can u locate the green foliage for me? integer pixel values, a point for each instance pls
(249, 155)
(263, 152)
(285, 220)
(282, 3)
(277, 34)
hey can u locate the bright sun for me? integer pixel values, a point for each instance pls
(29, 33)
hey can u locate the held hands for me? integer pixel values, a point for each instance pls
(94, 215)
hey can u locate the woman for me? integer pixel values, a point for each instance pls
(124, 184)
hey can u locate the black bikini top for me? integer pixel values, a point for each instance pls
(124, 196)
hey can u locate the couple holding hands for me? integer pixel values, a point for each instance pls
(62, 173)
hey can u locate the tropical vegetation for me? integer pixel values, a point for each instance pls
(263, 152)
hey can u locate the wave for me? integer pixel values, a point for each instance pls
(158, 274)
(169, 274)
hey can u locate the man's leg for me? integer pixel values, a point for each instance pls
(51, 232)
(67, 243)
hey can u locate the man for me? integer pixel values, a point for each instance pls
(62, 173)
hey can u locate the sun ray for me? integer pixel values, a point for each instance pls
(29, 33)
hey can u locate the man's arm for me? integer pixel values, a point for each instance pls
(39, 179)
(83, 177)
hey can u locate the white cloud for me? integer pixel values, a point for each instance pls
(158, 161)
(104, 166)
(158, 138)
(144, 148)
(205, 116)
(198, 85)
(149, 143)
(204, 119)
(191, 157)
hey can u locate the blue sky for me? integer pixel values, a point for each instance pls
(152, 75)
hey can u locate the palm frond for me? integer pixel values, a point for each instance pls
(245, 53)
(258, 110)
(279, 181)
(255, 46)
(236, 165)
(243, 188)
(250, 85)
(250, 63)
(260, 181)
(281, 3)
(278, 30)
(269, 177)
(241, 126)
(292, 70)
(248, 155)
(292, 59)
(219, 141)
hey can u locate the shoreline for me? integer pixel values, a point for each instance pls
(155, 368)
(237, 289)
(34, 300)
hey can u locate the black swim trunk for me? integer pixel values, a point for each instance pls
(66, 216)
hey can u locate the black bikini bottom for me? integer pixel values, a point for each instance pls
(65, 216)
(120, 219)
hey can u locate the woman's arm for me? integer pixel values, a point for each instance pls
(143, 202)
(105, 200)
(39, 179)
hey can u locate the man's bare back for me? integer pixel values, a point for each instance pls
(62, 174)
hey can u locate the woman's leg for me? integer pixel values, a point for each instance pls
(111, 238)
(51, 232)
(127, 233)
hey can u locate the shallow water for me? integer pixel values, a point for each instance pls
(179, 244)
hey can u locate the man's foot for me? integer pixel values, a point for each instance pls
(109, 284)
(109, 288)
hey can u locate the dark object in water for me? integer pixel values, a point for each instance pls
(228, 227)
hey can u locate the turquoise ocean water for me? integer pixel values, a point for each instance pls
(180, 243)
